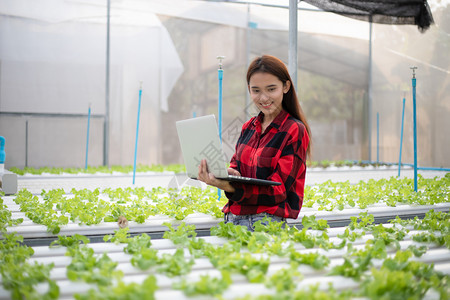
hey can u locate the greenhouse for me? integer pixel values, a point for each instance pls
(98, 199)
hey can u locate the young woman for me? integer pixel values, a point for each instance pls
(273, 146)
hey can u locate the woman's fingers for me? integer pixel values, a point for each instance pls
(234, 172)
(202, 170)
(203, 173)
(210, 179)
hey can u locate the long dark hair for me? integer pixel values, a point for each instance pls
(272, 65)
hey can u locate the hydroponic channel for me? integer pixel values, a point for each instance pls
(338, 247)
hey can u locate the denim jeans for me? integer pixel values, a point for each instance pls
(249, 220)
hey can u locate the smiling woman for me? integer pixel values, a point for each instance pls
(273, 145)
(267, 91)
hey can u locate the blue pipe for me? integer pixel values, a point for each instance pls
(137, 133)
(433, 169)
(401, 138)
(404, 164)
(87, 138)
(429, 168)
(2, 154)
(415, 129)
(220, 75)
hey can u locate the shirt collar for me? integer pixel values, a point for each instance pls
(276, 123)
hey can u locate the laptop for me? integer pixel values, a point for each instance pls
(199, 139)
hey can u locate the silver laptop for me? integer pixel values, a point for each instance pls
(199, 139)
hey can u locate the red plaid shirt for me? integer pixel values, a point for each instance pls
(278, 154)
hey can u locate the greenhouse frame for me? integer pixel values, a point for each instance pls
(95, 201)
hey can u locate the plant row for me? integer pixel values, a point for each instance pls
(18, 275)
(55, 208)
(344, 163)
(380, 267)
(176, 168)
(393, 191)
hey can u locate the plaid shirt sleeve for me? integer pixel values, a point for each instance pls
(278, 154)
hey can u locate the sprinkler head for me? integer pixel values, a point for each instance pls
(220, 58)
(414, 71)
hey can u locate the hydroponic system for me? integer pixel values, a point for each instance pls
(98, 236)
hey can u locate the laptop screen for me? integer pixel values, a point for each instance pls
(199, 139)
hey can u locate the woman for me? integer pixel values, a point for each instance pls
(273, 146)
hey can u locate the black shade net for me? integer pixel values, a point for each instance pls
(396, 12)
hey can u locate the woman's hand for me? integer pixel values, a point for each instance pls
(233, 172)
(209, 179)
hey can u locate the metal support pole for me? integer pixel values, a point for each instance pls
(87, 138)
(159, 147)
(415, 124)
(293, 32)
(369, 90)
(106, 122)
(247, 55)
(26, 143)
(401, 138)
(378, 137)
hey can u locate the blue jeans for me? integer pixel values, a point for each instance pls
(249, 220)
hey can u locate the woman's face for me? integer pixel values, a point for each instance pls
(266, 91)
